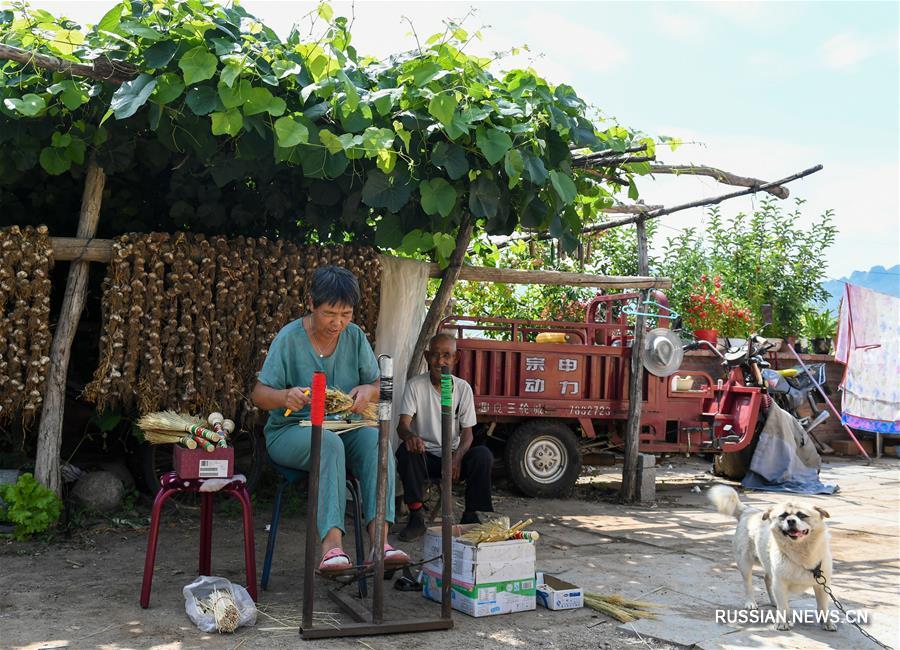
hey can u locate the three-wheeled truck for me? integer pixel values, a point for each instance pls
(547, 390)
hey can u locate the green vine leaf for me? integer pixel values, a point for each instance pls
(131, 95)
(438, 196)
(227, 123)
(383, 191)
(443, 107)
(158, 55)
(452, 158)
(534, 169)
(493, 143)
(513, 164)
(563, 185)
(54, 161)
(198, 65)
(169, 87)
(484, 197)
(290, 131)
(29, 105)
(202, 100)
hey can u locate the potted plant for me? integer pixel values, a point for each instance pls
(705, 309)
(736, 321)
(820, 328)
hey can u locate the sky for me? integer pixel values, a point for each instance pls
(762, 89)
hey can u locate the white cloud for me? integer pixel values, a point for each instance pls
(845, 50)
(563, 40)
(680, 27)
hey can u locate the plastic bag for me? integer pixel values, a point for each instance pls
(202, 587)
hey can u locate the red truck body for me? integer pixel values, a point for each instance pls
(583, 381)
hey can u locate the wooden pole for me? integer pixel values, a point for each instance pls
(386, 396)
(316, 415)
(635, 384)
(439, 304)
(446, 490)
(50, 429)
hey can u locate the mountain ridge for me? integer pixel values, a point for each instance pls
(877, 278)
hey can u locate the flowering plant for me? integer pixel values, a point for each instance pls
(709, 309)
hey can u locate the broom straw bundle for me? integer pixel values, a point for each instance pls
(618, 607)
(165, 438)
(337, 401)
(172, 423)
(498, 530)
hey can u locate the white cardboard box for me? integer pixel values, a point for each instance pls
(554, 593)
(493, 578)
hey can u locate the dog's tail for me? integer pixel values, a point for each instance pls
(726, 500)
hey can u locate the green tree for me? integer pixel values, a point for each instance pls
(763, 258)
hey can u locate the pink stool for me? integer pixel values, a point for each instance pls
(170, 484)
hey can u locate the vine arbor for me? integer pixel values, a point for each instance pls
(184, 115)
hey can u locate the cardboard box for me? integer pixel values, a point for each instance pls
(199, 463)
(493, 578)
(554, 593)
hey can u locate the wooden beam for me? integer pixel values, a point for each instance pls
(721, 176)
(67, 249)
(514, 276)
(46, 465)
(101, 68)
(713, 200)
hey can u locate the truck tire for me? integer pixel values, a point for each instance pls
(735, 465)
(542, 458)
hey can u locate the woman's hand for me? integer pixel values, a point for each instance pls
(296, 398)
(362, 396)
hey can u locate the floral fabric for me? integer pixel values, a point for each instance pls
(869, 345)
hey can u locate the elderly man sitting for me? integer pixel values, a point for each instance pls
(419, 455)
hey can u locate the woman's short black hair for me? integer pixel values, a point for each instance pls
(334, 285)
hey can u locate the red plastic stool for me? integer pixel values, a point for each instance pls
(170, 484)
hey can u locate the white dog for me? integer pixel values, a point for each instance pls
(789, 540)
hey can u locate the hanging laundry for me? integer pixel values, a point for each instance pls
(869, 345)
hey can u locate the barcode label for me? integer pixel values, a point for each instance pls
(213, 469)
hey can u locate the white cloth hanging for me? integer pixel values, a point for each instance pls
(404, 284)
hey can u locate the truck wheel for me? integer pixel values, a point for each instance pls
(542, 458)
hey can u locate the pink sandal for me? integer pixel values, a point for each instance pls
(394, 558)
(335, 561)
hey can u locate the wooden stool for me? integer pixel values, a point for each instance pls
(170, 484)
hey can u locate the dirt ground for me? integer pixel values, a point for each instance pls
(83, 592)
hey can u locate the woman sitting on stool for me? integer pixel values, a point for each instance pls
(326, 340)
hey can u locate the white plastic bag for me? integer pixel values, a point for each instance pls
(202, 587)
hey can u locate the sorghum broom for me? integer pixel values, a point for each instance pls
(165, 438)
(163, 421)
(618, 607)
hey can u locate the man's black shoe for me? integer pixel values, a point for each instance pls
(469, 518)
(415, 527)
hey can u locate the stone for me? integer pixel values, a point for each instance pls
(646, 482)
(119, 468)
(99, 491)
(8, 476)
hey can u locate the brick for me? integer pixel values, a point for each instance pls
(847, 447)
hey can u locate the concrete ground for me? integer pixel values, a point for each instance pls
(83, 593)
